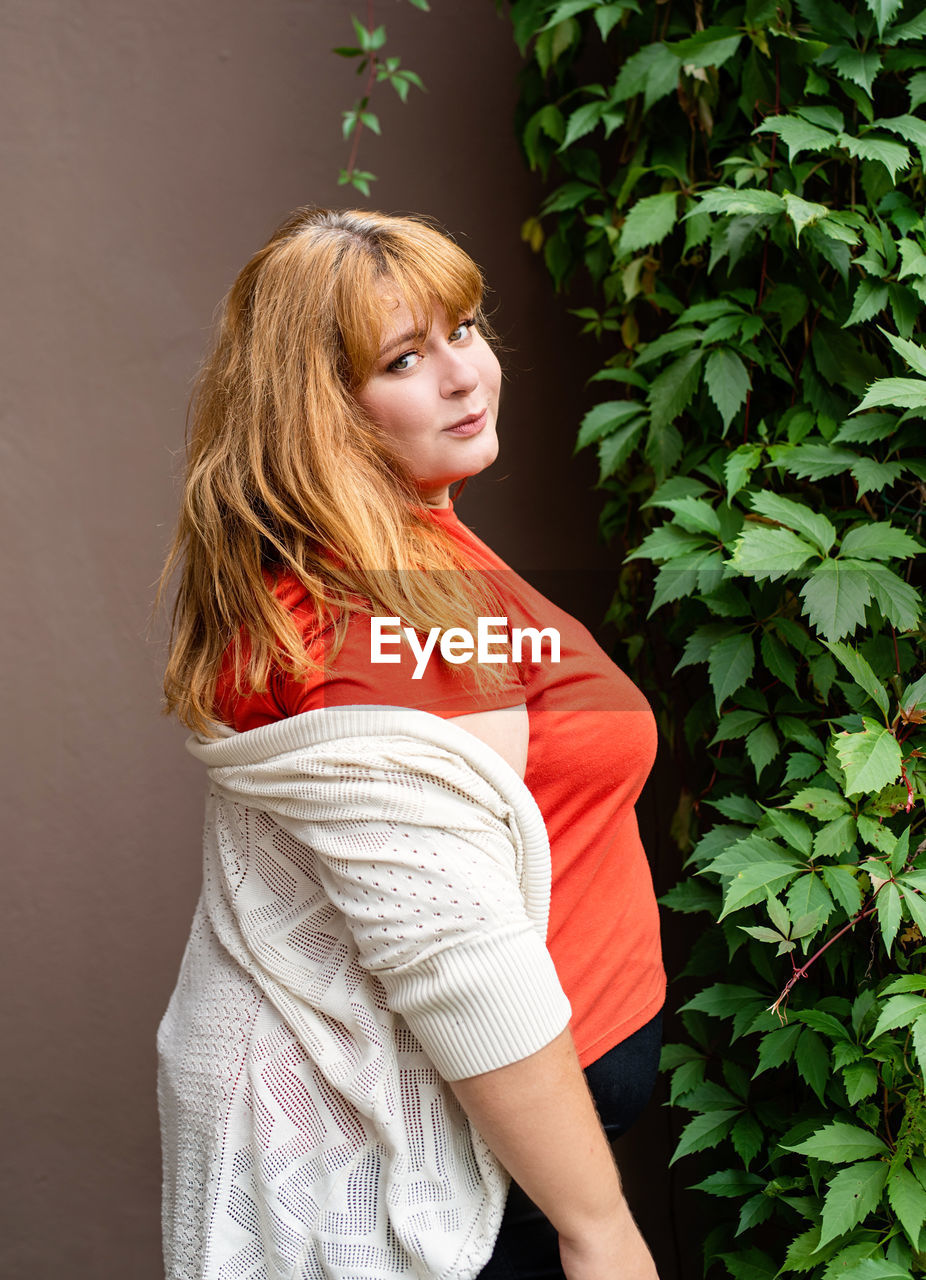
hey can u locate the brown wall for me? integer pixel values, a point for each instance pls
(147, 149)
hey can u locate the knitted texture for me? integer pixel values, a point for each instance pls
(375, 897)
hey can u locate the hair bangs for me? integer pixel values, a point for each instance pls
(416, 266)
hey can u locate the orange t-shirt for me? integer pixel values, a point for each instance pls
(592, 745)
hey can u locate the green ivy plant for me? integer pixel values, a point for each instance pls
(738, 190)
(368, 54)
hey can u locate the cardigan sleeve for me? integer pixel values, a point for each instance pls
(425, 869)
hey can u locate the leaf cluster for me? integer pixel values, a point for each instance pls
(741, 205)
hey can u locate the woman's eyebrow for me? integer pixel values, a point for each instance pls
(414, 336)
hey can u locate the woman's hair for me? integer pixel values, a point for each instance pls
(286, 472)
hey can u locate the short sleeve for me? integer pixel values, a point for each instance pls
(365, 672)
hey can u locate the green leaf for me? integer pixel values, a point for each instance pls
(841, 1143)
(874, 1269)
(615, 449)
(727, 382)
(724, 1000)
(798, 135)
(809, 903)
(751, 200)
(769, 554)
(778, 1047)
(779, 660)
(604, 418)
(867, 430)
(582, 121)
(668, 493)
(690, 897)
(665, 543)
(910, 129)
(908, 1200)
(607, 17)
(821, 804)
(673, 340)
(801, 765)
(739, 466)
(918, 1035)
(875, 833)
(792, 829)
(704, 1132)
(803, 213)
(911, 352)
(710, 48)
(878, 540)
(861, 1081)
(566, 9)
(568, 196)
(836, 837)
(917, 90)
(748, 1138)
(913, 696)
(673, 390)
(816, 461)
(898, 1011)
(738, 809)
(813, 1062)
(825, 1023)
(834, 598)
(889, 914)
(798, 516)
(653, 71)
(853, 1194)
(730, 666)
(870, 299)
(853, 65)
(736, 724)
(729, 1183)
(893, 155)
(896, 599)
(649, 222)
(912, 30)
(871, 475)
(762, 747)
(885, 11)
(754, 883)
(903, 393)
(757, 1209)
(843, 885)
(871, 759)
(860, 671)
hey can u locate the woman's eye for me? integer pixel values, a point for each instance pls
(461, 330)
(405, 361)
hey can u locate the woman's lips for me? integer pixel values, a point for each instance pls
(470, 426)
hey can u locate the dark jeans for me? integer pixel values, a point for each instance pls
(621, 1083)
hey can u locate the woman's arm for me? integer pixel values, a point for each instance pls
(538, 1117)
(505, 730)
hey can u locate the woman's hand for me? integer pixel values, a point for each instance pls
(616, 1252)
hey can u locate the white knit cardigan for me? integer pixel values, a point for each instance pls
(375, 895)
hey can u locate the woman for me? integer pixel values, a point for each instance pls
(370, 1034)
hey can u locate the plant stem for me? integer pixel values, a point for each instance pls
(371, 80)
(802, 971)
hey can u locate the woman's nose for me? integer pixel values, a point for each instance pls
(460, 374)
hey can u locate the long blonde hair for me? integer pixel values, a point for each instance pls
(285, 471)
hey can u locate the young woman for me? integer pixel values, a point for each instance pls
(414, 933)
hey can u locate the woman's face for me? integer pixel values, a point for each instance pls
(435, 396)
